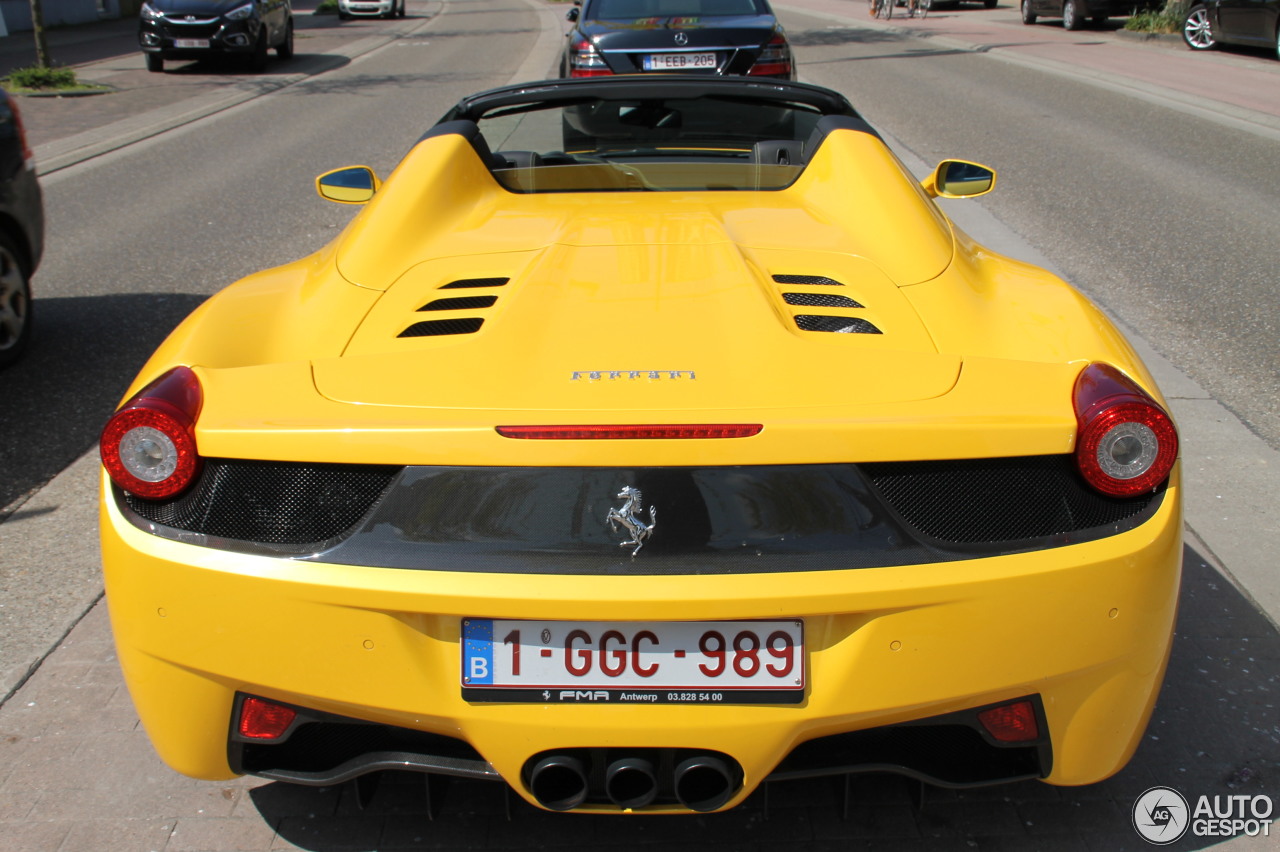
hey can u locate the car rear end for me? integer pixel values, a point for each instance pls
(738, 37)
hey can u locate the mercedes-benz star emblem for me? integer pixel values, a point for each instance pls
(682, 39)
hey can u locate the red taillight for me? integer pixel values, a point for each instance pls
(586, 61)
(774, 60)
(572, 433)
(1126, 444)
(1012, 723)
(149, 445)
(262, 720)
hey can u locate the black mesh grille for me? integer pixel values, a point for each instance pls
(184, 30)
(839, 325)
(462, 303)
(994, 500)
(271, 502)
(475, 282)
(820, 300)
(807, 280)
(551, 520)
(435, 328)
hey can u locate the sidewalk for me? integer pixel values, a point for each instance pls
(69, 129)
(1238, 85)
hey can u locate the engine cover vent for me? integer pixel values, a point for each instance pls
(807, 280)
(463, 303)
(820, 300)
(839, 325)
(435, 328)
(475, 282)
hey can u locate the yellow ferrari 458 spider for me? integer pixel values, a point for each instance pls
(640, 441)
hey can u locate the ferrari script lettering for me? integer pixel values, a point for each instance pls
(651, 375)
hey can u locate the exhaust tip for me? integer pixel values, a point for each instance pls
(559, 782)
(630, 782)
(703, 783)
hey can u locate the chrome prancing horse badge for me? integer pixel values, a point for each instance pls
(626, 515)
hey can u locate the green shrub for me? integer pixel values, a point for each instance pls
(37, 77)
(1166, 20)
(327, 7)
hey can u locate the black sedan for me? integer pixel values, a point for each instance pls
(21, 232)
(197, 29)
(1076, 13)
(687, 36)
(1252, 23)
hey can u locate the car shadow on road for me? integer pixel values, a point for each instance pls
(83, 354)
(1214, 733)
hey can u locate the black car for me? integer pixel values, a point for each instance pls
(1076, 13)
(687, 36)
(1253, 23)
(197, 29)
(21, 232)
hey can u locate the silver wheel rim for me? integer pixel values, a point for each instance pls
(13, 301)
(1197, 30)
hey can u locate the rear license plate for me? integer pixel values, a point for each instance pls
(190, 42)
(679, 61)
(633, 662)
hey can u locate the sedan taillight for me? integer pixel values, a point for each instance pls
(586, 61)
(774, 60)
(1126, 444)
(149, 445)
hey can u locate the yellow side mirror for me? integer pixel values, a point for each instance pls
(350, 185)
(959, 179)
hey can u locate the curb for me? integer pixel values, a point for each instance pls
(1165, 40)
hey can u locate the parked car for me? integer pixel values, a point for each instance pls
(199, 29)
(370, 9)
(698, 36)
(1252, 23)
(644, 439)
(1076, 13)
(21, 231)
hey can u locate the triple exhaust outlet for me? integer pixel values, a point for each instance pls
(701, 782)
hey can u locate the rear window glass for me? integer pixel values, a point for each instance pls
(630, 10)
(660, 144)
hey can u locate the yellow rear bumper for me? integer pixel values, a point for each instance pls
(1087, 627)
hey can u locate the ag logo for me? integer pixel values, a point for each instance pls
(1161, 815)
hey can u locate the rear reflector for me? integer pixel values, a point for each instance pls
(614, 433)
(1012, 723)
(262, 720)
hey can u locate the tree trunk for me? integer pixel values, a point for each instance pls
(37, 29)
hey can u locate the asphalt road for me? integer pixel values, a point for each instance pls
(1107, 187)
